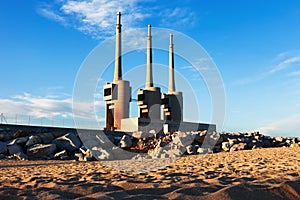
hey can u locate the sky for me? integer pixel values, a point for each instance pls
(254, 44)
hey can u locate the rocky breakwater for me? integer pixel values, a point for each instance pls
(42, 145)
(191, 143)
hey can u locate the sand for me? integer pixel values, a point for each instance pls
(272, 173)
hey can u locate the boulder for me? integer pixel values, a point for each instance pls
(202, 133)
(125, 142)
(62, 155)
(294, 145)
(212, 138)
(232, 141)
(87, 154)
(157, 151)
(14, 148)
(140, 135)
(159, 135)
(42, 151)
(34, 139)
(238, 147)
(20, 133)
(57, 134)
(79, 157)
(3, 148)
(267, 143)
(202, 150)
(181, 139)
(5, 136)
(20, 156)
(69, 142)
(226, 146)
(199, 139)
(46, 137)
(22, 140)
(279, 139)
(190, 149)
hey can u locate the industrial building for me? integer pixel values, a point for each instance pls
(156, 111)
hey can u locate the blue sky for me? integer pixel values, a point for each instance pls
(255, 45)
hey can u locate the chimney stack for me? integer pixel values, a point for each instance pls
(118, 57)
(149, 77)
(171, 66)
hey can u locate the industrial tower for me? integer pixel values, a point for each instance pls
(117, 94)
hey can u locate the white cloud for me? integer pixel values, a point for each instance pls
(285, 63)
(51, 15)
(289, 125)
(37, 106)
(282, 61)
(98, 17)
(46, 107)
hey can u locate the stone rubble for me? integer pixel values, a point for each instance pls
(45, 144)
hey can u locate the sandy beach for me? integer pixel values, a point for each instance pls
(272, 173)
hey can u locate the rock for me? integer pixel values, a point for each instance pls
(79, 157)
(226, 146)
(232, 141)
(2, 156)
(254, 144)
(20, 133)
(14, 148)
(3, 148)
(279, 139)
(190, 149)
(42, 151)
(181, 139)
(294, 145)
(159, 135)
(22, 140)
(111, 138)
(288, 142)
(5, 136)
(212, 138)
(62, 155)
(46, 137)
(157, 151)
(199, 139)
(87, 154)
(69, 142)
(42, 130)
(141, 135)
(58, 134)
(34, 139)
(266, 143)
(238, 147)
(203, 133)
(202, 150)
(20, 156)
(125, 142)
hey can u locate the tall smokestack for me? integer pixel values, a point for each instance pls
(149, 77)
(171, 66)
(118, 58)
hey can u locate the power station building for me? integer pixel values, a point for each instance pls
(156, 111)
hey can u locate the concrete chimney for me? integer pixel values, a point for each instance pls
(117, 94)
(149, 76)
(171, 66)
(118, 57)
